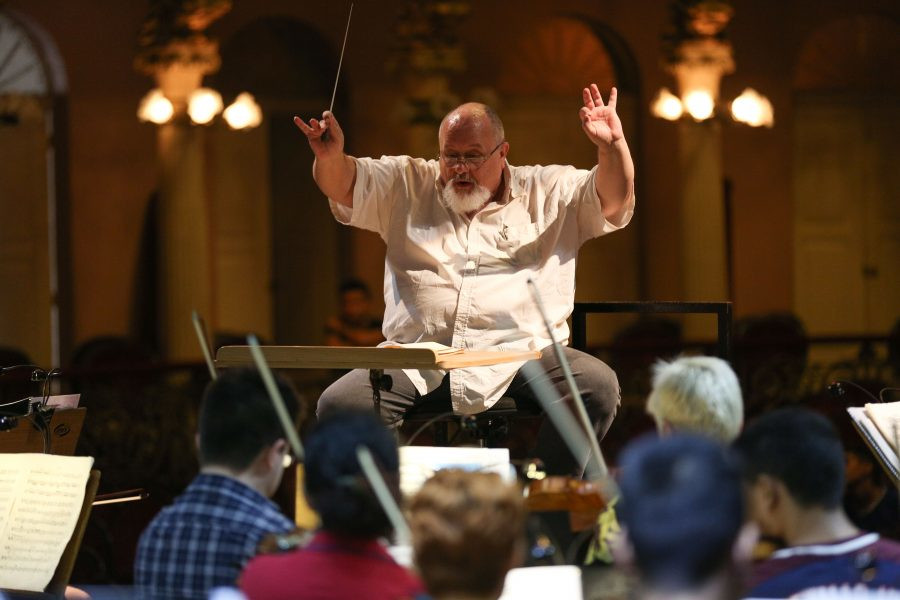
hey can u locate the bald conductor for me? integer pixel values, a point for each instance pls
(464, 234)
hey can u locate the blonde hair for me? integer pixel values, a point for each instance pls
(697, 394)
(467, 532)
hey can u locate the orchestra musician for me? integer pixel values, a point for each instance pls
(468, 531)
(464, 233)
(213, 528)
(344, 558)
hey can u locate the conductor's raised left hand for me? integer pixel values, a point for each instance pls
(600, 121)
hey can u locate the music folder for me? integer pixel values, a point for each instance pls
(875, 439)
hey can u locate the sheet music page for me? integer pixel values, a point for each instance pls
(536, 583)
(886, 417)
(40, 501)
(419, 463)
(880, 446)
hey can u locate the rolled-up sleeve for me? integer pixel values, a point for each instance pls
(589, 211)
(378, 183)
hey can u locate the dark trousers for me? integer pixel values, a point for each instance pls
(597, 383)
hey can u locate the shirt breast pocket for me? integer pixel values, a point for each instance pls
(521, 244)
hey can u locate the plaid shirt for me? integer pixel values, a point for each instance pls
(204, 538)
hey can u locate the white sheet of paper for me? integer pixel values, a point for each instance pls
(64, 401)
(40, 500)
(884, 449)
(418, 463)
(538, 583)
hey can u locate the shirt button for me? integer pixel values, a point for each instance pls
(470, 264)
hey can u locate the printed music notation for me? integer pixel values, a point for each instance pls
(40, 500)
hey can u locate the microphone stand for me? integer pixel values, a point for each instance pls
(37, 412)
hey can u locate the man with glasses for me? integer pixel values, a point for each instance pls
(464, 234)
(204, 538)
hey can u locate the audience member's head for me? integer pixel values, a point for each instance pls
(336, 486)
(468, 530)
(697, 394)
(793, 462)
(239, 432)
(683, 515)
(354, 299)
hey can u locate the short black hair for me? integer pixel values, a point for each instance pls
(800, 448)
(682, 506)
(335, 484)
(237, 418)
(354, 285)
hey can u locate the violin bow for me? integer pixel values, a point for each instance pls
(275, 395)
(304, 516)
(586, 430)
(200, 330)
(379, 486)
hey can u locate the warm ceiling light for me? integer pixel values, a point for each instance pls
(243, 113)
(699, 104)
(203, 105)
(667, 105)
(155, 107)
(753, 109)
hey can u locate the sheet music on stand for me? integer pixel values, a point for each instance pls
(419, 463)
(42, 497)
(875, 440)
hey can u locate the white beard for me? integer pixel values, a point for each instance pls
(465, 203)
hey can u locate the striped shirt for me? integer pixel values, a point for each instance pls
(865, 559)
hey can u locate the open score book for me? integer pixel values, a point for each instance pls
(879, 426)
(41, 497)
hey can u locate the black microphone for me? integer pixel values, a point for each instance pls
(3, 370)
(836, 389)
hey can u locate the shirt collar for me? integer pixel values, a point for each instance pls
(223, 483)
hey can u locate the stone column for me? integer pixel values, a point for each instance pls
(176, 52)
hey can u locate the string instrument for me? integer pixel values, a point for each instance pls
(583, 500)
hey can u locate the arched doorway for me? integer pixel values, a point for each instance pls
(34, 263)
(540, 83)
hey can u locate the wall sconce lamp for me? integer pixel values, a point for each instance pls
(698, 54)
(750, 108)
(203, 104)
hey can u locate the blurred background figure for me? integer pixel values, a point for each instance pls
(468, 531)
(355, 325)
(346, 557)
(870, 500)
(697, 394)
(682, 512)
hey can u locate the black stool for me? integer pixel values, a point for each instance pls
(490, 428)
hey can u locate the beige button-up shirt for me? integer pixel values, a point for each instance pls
(463, 283)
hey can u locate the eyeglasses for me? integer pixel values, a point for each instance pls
(473, 161)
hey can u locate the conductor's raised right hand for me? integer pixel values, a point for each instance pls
(323, 146)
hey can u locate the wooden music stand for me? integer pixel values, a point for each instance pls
(65, 428)
(338, 357)
(376, 360)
